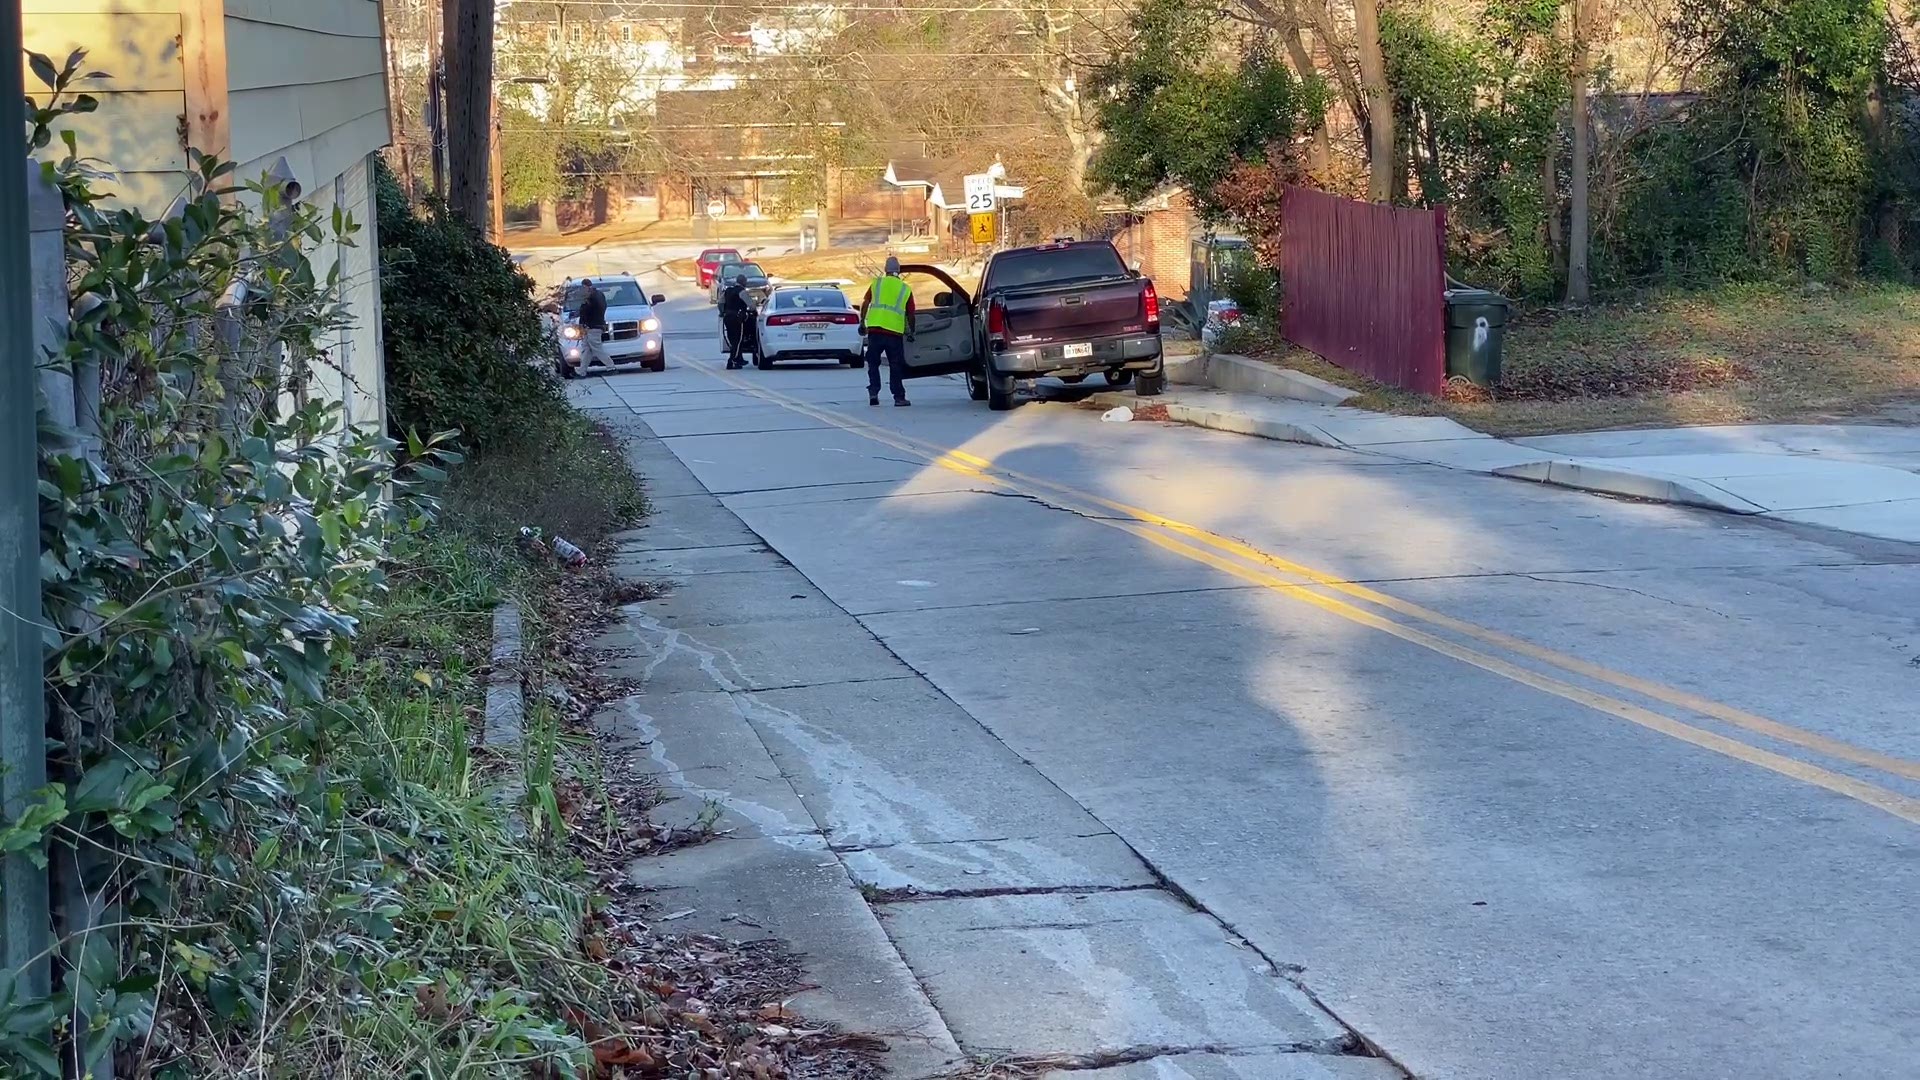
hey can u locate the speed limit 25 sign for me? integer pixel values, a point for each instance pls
(980, 199)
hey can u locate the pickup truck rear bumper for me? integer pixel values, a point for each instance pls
(1134, 352)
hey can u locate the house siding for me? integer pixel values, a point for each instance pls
(306, 80)
(301, 79)
(137, 128)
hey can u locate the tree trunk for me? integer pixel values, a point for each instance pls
(1373, 79)
(436, 115)
(1319, 148)
(1886, 216)
(396, 93)
(1550, 203)
(1321, 19)
(550, 215)
(469, 59)
(1579, 287)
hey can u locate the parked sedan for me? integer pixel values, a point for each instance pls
(710, 262)
(756, 278)
(807, 322)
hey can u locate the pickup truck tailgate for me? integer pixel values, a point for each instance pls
(1042, 317)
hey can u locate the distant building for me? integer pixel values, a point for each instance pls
(1157, 235)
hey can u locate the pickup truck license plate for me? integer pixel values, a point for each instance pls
(1079, 352)
(816, 337)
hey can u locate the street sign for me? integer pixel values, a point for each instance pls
(980, 196)
(985, 228)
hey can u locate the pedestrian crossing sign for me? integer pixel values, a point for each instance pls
(985, 228)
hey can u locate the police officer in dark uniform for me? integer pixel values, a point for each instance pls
(735, 312)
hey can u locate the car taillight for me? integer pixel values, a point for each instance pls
(783, 320)
(1151, 298)
(844, 318)
(997, 319)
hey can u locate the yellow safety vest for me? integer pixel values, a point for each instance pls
(887, 305)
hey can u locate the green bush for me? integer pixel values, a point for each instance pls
(1256, 289)
(465, 348)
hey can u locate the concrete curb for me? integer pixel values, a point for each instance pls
(1595, 475)
(504, 726)
(1239, 374)
(506, 711)
(1236, 423)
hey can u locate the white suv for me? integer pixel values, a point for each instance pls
(632, 339)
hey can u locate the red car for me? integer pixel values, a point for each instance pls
(710, 262)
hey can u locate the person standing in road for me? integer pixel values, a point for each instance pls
(734, 313)
(886, 317)
(593, 326)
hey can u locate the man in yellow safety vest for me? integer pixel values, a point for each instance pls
(886, 317)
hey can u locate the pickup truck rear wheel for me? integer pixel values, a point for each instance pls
(999, 391)
(1118, 378)
(1150, 385)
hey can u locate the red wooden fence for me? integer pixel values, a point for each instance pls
(1364, 285)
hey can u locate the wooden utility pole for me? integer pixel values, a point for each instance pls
(469, 81)
(496, 177)
(1579, 286)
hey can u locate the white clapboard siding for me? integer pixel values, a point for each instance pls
(136, 45)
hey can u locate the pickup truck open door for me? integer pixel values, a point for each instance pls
(944, 340)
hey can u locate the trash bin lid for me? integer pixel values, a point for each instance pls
(1467, 306)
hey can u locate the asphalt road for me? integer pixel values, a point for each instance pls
(1523, 783)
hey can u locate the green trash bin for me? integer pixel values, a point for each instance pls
(1476, 328)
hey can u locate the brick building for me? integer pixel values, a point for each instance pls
(1157, 234)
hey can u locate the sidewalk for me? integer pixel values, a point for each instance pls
(943, 893)
(1859, 479)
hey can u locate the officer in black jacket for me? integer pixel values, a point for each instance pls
(593, 326)
(735, 312)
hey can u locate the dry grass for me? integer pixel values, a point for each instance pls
(1733, 356)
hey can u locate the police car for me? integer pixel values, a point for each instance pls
(807, 321)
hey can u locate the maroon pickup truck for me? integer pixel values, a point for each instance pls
(1064, 310)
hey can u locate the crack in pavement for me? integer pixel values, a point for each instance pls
(849, 849)
(911, 895)
(1626, 589)
(1132, 1055)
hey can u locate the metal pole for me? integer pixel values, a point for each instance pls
(23, 734)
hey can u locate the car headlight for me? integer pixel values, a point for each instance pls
(570, 332)
(649, 326)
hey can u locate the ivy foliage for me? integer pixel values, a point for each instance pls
(1174, 112)
(1794, 153)
(1772, 172)
(295, 869)
(1480, 116)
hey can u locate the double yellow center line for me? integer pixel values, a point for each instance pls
(1344, 598)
